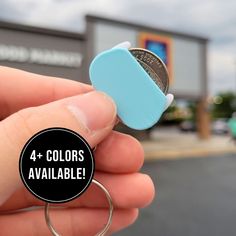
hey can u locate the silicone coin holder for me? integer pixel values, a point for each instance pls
(140, 102)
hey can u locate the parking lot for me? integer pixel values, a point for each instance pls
(196, 197)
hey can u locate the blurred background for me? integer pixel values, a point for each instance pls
(190, 154)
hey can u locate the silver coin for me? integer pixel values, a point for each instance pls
(149, 61)
(153, 75)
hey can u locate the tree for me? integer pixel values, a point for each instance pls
(224, 104)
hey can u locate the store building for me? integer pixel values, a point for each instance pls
(68, 55)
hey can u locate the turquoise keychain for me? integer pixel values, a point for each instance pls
(140, 101)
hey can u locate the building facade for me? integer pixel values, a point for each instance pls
(68, 54)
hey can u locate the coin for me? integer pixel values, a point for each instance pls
(152, 74)
(154, 66)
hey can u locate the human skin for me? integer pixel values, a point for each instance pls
(30, 103)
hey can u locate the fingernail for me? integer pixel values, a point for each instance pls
(169, 100)
(95, 110)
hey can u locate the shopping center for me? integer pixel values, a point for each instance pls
(68, 54)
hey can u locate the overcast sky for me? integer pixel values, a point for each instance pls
(215, 19)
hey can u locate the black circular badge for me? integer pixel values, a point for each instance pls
(56, 165)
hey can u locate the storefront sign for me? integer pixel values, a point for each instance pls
(161, 46)
(40, 56)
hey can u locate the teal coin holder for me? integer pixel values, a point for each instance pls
(140, 102)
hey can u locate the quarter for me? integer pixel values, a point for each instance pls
(154, 66)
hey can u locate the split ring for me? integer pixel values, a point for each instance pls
(109, 221)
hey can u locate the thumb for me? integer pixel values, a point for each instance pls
(92, 115)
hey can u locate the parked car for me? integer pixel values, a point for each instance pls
(220, 126)
(187, 126)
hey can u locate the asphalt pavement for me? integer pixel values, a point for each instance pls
(196, 197)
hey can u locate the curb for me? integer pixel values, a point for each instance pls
(186, 153)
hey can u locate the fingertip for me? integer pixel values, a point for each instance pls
(95, 110)
(147, 196)
(131, 216)
(125, 44)
(169, 100)
(134, 215)
(119, 153)
(126, 218)
(138, 153)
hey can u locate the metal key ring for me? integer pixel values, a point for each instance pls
(109, 221)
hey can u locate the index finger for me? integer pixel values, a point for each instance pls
(20, 89)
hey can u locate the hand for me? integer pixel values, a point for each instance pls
(30, 103)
